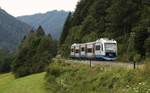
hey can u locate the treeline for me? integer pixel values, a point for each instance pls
(5, 61)
(32, 56)
(127, 21)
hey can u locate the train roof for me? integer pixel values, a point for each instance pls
(90, 43)
(75, 44)
(106, 40)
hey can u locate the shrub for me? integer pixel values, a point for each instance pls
(147, 67)
(79, 78)
(137, 58)
(5, 61)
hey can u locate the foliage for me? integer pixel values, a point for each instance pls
(147, 46)
(64, 77)
(65, 29)
(112, 19)
(137, 58)
(147, 67)
(5, 61)
(34, 53)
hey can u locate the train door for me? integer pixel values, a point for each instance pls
(83, 50)
(77, 51)
(90, 51)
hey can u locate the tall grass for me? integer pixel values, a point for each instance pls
(65, 77)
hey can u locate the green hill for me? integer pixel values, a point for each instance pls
(29, 84)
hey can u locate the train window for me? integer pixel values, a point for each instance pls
(89, 50)
(72, 50)
(102, 46)
(98, 47)
(82, 49)
(77, 51)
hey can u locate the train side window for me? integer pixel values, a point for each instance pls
(89, 50)
(102, 47)
(77, 51)
(98, 47)
(72, 50)
(82, 49)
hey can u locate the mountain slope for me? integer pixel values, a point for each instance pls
(12, 31)
(52, 21)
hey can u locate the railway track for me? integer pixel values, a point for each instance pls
(107, 63)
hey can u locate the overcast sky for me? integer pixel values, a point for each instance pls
(27, 7)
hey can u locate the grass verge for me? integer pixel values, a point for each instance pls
(63, 77)
(31, 84)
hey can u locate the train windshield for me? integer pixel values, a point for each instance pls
(110, 47)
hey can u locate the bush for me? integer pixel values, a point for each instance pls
(79, 78)
(147, 66)
(5, 65)
(5, 61)
(137, 58)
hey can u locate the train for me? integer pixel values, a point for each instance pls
(101, 49)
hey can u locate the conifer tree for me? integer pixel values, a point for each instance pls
(40, 31)
(66, 28)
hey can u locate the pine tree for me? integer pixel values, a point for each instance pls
(81, 12)
(40, 31)
(66, 28)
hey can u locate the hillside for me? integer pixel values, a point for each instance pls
(12, 31)
(29, 84)
(117, 19)
(52, 21)
(72, 77)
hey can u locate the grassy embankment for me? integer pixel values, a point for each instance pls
(79, 78)
(30, 84)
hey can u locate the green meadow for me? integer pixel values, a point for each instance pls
(30, 84)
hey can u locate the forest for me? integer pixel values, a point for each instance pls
(127, 21)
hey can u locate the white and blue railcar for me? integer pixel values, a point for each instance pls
(103, 48)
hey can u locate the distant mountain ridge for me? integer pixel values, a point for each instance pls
(52, 21)
(12, 31)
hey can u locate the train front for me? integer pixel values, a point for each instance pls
(106, 49)
(110, 47)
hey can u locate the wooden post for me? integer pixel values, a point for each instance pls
(90, 63)
(134, 64)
